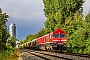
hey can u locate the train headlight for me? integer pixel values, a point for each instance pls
(55, 40)
(63, 40)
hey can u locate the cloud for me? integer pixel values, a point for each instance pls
(28, 15)
(26, 9)
(86, 6)
(24, 12)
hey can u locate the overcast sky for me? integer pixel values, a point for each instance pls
(28, 15)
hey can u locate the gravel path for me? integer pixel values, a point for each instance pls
(28, 54)
(59, 55)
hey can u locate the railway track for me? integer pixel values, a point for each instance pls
(48, 56)
(45, 55)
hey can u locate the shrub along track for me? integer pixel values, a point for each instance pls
(45, 55)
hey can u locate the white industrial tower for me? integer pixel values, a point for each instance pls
(12, 29)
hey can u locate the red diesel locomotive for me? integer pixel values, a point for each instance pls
(55, 40)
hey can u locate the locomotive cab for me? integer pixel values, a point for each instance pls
(59, 40)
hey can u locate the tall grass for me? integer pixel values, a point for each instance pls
(8, 52)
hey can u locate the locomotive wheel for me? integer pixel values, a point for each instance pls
(52, 50)
(42, 47)
(47, 48)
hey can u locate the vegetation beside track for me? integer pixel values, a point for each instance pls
(7, 43)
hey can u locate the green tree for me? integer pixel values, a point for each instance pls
(3, 29)
(28, 38)
(21, 42)
(57, 11)
(40, 33)
(87, 18)
(77, 33)
(12, 41)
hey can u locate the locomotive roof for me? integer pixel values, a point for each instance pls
(59, 30)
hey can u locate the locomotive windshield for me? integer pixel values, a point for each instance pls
(56, 35)
(62, 35)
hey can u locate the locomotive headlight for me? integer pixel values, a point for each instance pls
(55, 40)
(63, 40)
